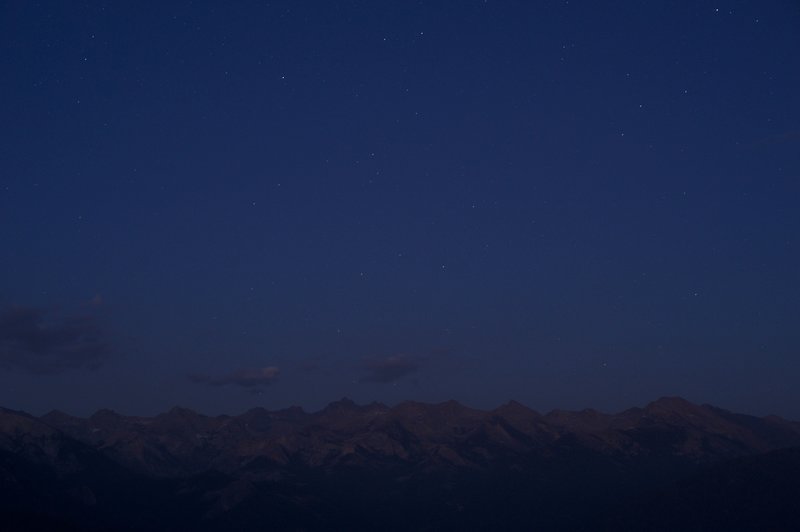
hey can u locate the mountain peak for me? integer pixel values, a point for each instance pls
(515, 407)
(14, 412)
(103, 414)
(345, 403)
(58, 417)
(671, 404)
(179, 411)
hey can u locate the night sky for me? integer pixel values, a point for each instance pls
(570, 204)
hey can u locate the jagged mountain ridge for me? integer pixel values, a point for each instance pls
(181, 441)
(411, 466)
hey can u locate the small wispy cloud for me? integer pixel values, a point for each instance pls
(246, 378)
(41, 342)
(389, 369)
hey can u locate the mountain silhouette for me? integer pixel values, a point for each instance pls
(414, 466)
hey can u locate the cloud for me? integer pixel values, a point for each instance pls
(31, 342)
(389, 369)
(247, 378)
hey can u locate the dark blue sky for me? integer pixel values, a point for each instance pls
(568, 203)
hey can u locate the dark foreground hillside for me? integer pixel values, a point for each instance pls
(672, 465)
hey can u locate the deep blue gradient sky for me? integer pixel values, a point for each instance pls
(570, 204)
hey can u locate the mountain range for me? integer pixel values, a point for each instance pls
(671, 465)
